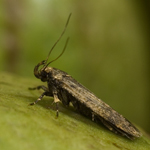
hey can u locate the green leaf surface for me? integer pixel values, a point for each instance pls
(36, 127)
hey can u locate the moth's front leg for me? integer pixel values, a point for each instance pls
(39, 87)
(40, 98)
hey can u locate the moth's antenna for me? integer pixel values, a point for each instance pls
(60, 54)
(58, 41)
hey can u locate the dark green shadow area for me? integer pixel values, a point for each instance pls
(36, 127)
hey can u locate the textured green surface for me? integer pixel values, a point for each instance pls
(108, 51)
(35, 127)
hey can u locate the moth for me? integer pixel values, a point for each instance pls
(64, 88)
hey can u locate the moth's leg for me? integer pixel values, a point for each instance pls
(56, 101)
(93, 116)
(40, 98)
(57, 109)
(39, 87)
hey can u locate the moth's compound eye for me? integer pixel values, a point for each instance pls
(43, 75)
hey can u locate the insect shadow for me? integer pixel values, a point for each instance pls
(48, 103)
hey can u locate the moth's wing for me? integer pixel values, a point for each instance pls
(110, 118)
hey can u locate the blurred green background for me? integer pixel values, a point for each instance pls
(108, 51)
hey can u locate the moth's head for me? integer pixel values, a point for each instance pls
(41, 73)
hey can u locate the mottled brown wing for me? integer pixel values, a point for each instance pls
(113, 120)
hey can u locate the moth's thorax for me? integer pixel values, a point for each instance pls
(48, 69)
(54, 73)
